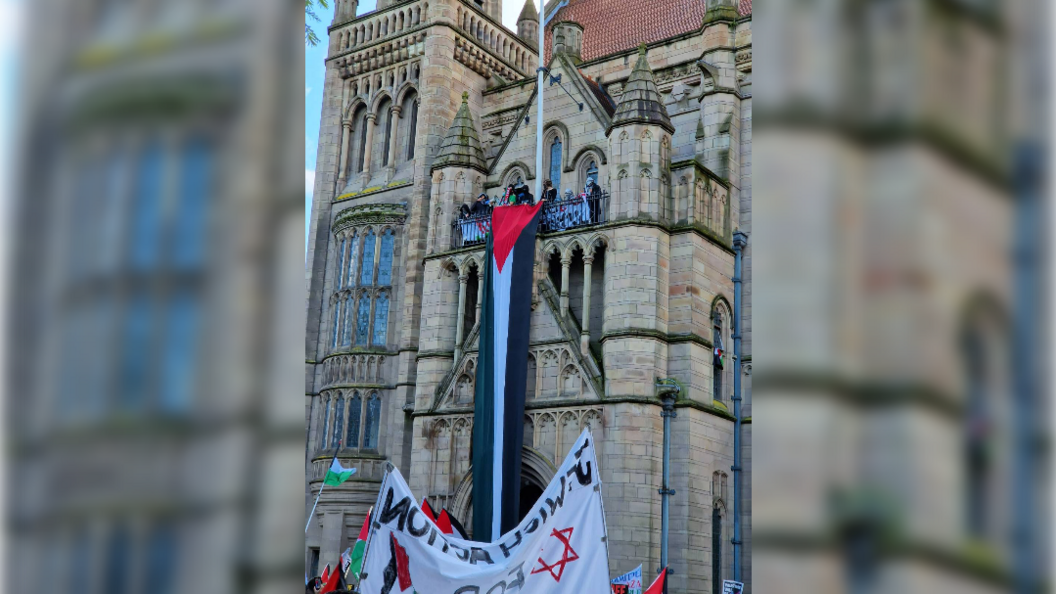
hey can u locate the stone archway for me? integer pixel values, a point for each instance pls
(536, 473)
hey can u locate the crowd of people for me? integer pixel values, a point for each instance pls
(569, 211)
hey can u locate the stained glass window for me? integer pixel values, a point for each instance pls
(555, 164)
(414, 130)
(117, 557)
(353, 251)
(339, 421)
(146, 221)
(181, 335)
(381, 319)
(370, 439)
(355, 409)
(162, 559)
(337, 321)
(341, 265)
(196, 171)
(362, 320)
(366, 278)
(326, 421)
(135, 362)
(346, 331)
(385, 260)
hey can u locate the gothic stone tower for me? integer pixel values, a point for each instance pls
(430, 104)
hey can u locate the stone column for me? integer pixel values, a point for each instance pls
(480, 291)
(369, 145)
(330, 545)
(584, 338)
(392, 137)
(346, 137)
(566, 262)
(462, 280)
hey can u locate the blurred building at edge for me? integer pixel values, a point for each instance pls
(156, 306)
(888, 411)
(428, 103)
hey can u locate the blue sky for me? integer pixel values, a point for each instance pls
(313, 87)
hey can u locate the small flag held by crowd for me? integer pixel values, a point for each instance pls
(628, 583)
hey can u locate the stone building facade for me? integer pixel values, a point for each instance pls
(430, 103)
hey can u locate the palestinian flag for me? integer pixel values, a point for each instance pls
(356, 566)
(502, 367)
(335, 582)
(719, 359)
(337, 474)
(456, 526)
(657, 587)
(397, 573)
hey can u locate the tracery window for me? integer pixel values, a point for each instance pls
(555, 163)
(339, 421)
(370, 434)
(355, 411)
(362, 287)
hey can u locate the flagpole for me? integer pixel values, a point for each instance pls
(539, 115)
(321, 487)
(312, 513)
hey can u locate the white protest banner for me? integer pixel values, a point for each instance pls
(628, 583)
(731, 587)
(559, 548)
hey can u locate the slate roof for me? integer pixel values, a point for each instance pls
(610, 27)
(529, 12)
(461, 144)
(640, 101)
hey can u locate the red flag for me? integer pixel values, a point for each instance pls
(444, 523)
(428, 511)
(336, 583)
(402, 571)
(326, 573)
(657, 587)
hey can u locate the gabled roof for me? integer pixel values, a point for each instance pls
(461, 144)
(610, 27)
(640, 101)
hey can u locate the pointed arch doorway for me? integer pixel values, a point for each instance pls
(536, 473)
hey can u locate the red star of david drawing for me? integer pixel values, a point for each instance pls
(566, 556)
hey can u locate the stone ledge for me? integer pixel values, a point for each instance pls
(400, 183)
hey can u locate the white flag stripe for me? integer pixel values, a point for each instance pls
(501, 328)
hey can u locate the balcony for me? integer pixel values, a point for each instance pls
(560, 215)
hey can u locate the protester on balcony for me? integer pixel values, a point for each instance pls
(549, 192)
(524, 196)
(480, 207)
(593, 193)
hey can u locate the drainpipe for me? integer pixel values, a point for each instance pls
(667, 390)
(740, 241)
(1026, 265)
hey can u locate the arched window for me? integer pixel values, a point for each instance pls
(362, 319)
(389, 122)
(339, 421)
(381, 319)
(346, 331)
(718, 358)
(413, 129)
(555, 164)
(366, 277)
(337, 328)
(341, 265)
(370, 437)
(326, 421)
(385, 258)
(362, 146)
(355, 409)
(353, 251)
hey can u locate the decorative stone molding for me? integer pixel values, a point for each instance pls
(351, 369)
(480, 61)
(370, 214)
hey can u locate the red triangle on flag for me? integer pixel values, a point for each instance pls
(444, 523)
(657, 587)
(428, 511)
(403, 573)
